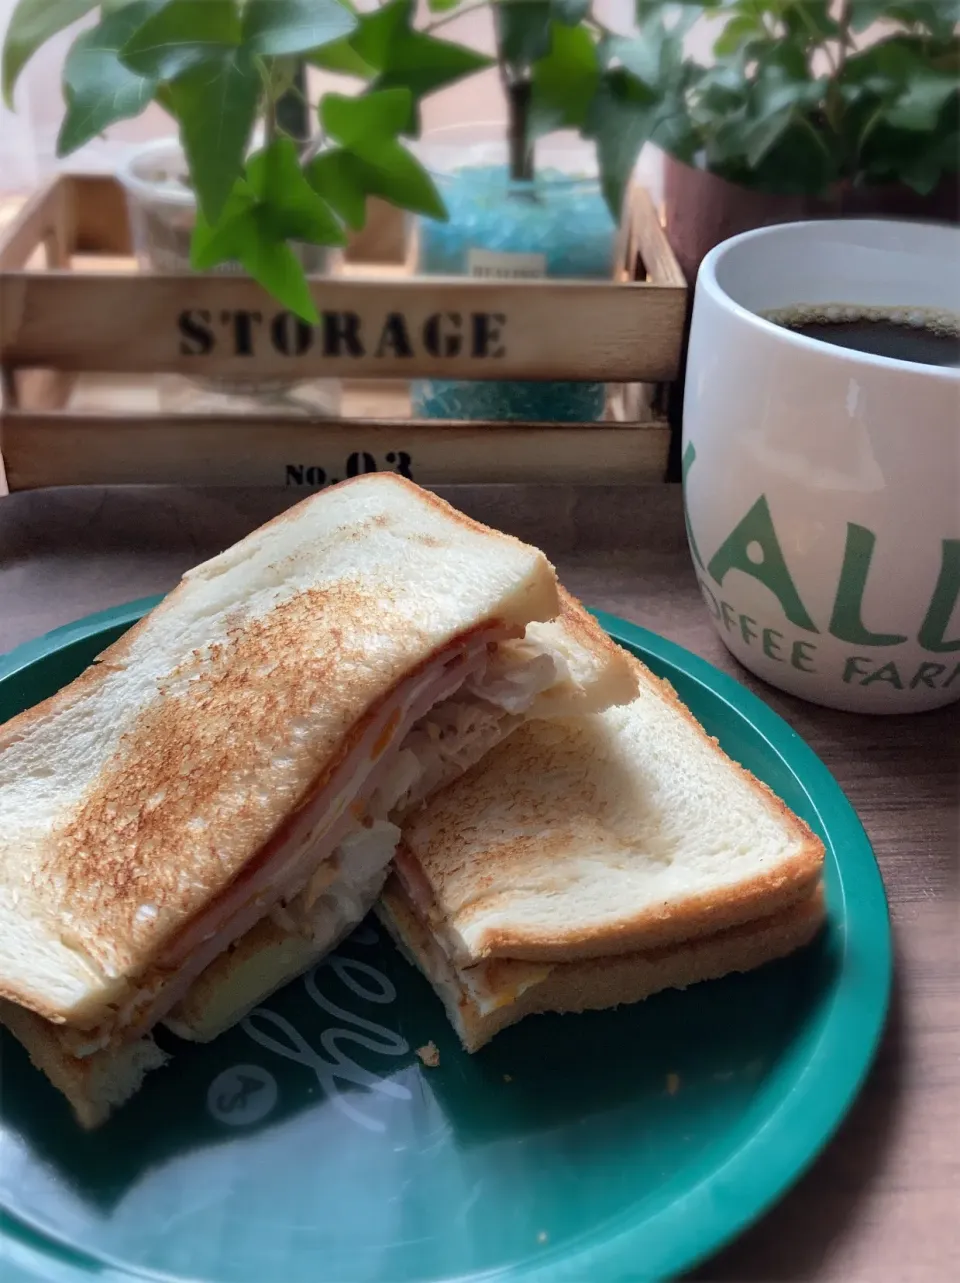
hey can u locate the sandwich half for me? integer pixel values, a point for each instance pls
(483, 999)
(593, 861)
(241, 751)
(586, 671)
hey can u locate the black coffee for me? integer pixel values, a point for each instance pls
(923, 336)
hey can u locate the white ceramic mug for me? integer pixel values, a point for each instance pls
(822, 485)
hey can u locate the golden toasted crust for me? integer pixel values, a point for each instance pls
(584, 629)
(186, 747)
(119, 651)
(197, 753)
(601, 673)
(700, 915)
(476, 840)
(599, 983)
(94, 1086)
(173, 764)
(427, 497)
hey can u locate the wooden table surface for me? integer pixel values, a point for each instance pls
(882, 1204)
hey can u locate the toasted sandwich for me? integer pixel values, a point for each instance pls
(591, 862)
(586, 671)
(242, 749)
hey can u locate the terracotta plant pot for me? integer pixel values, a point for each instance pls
(703, 209)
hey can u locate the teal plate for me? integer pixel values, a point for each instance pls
(310, 1145)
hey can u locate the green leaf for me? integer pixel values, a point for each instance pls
(927, 167)
(98, 88)
(776, 90)
(404, 58)
(570, 12)
(442, 6)
(271, 205)
(810, 20)
(277, 27)
(939, 17)
(523, 31)
(340, 56)
(919, 107)
(376, 114)
(565, 81)
(424, 65)
(639, 55)
(184, 34)
(386, 169)
(719, 90)
(621, 125)
(32, 24)
(393, 174)
(286, 200)
(216, 103)
(275, 266)
(338, 176)
(864, 13)
(889, 68)
(380, 29)
(655, 59)
(742, 27)
(764, 134)
(221, 241)
(798, 163)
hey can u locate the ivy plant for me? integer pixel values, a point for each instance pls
(795, 99)
(220, 68)
(800, 96)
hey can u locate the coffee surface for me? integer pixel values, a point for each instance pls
(921, 336)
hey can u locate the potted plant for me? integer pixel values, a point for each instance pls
(247, 194)
(238, 189)
(808, 108)
(520, 206)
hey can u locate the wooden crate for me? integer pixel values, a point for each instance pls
(86, 341)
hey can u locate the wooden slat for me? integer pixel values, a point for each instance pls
(50, 450)
(558, 329)
(130, 395)
(650, 242)
(102, 224)
(42, 226)
(43, 389)
(44, 219)
(384, 237)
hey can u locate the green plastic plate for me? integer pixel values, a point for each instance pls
(310, 1145)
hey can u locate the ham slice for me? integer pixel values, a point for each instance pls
(434, 725)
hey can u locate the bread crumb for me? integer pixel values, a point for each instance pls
(508, 1078)
(429, 1055)
(542, 1236)
(673, 1084)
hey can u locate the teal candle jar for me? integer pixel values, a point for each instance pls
(556, 227)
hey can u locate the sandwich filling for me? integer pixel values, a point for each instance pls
(433, 727)
(485, 987)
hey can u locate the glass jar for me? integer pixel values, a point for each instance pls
(162, 210)
(557, 226)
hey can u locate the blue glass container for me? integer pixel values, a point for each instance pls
(558, 226)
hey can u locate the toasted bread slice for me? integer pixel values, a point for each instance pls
(484, 999)
(139, 793)
(94, 1085)
(594, 673)
(599, 673)
(611, 833)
